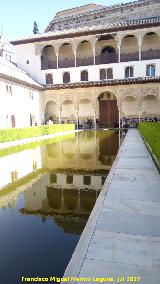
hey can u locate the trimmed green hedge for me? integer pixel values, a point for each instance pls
(151, 133)
(13, 134)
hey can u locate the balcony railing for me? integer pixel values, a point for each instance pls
(106, 58)
(101, 59)
(150, 54)
(66, 63)
(48, 65)
(85, 61)
(129, 57)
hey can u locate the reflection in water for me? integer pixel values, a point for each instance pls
(46, 197)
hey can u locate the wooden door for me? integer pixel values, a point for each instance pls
(13, 121)
(108, 113)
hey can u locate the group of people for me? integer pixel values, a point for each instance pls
(133, 122)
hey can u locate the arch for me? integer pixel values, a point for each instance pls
(151, 105)
(48, 58)
(150, 70)
(66, 55)
(66, 77)
(129, 48)
(108, 55)
(129, 72)
(84, 75)
(84, 53)
(130, 106)
(51, 111)
(106, 96)
(85, 108)
(68, 110)
(150, 44)
(106, 50)
(108, 109)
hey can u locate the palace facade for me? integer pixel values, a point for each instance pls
(97, 62)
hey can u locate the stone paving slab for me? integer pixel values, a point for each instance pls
(109, 269)
(135, 224)
(130, 206)
(124, 230)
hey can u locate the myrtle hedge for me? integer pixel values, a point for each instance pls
(13, 134)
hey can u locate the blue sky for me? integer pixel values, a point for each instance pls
(17, 16)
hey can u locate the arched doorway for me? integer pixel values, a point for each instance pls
(129, 49)
(150, 50)
(84, 54)
(130, 107)
(68, 111)
(108, 110)
(51, 111)
(150, 106)
(48, 58)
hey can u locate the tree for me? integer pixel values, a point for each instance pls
(35, 28)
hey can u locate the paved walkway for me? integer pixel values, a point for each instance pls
(122, 236)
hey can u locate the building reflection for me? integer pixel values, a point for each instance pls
(88, 150)
(69, 176)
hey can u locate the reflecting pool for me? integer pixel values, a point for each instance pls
(46, 196)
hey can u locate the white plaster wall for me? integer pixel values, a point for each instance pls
(27, 52)
(94, 71)
(19, 104)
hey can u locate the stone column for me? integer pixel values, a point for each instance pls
(74, 48)
(60, 110)
(56, 47)
(93, 45)
(118, 39)
(95, 119)
(140, 45)
(77, 118)
(119, 118)
(119, 110)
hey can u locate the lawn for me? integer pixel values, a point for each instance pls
(151, 133)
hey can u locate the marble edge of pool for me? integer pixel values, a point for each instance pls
(76, 261)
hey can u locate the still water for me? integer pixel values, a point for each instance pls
(46, 196)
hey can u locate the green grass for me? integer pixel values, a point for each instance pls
(13, 134)
(151, 133)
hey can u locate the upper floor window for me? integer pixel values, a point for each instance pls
(84, 75)
(106, 74)
(31, 96)
(102, 74)
(9, 90)
(66, 77)
(49, 79)
(129, 72)
(109, 73)
(150, 70)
